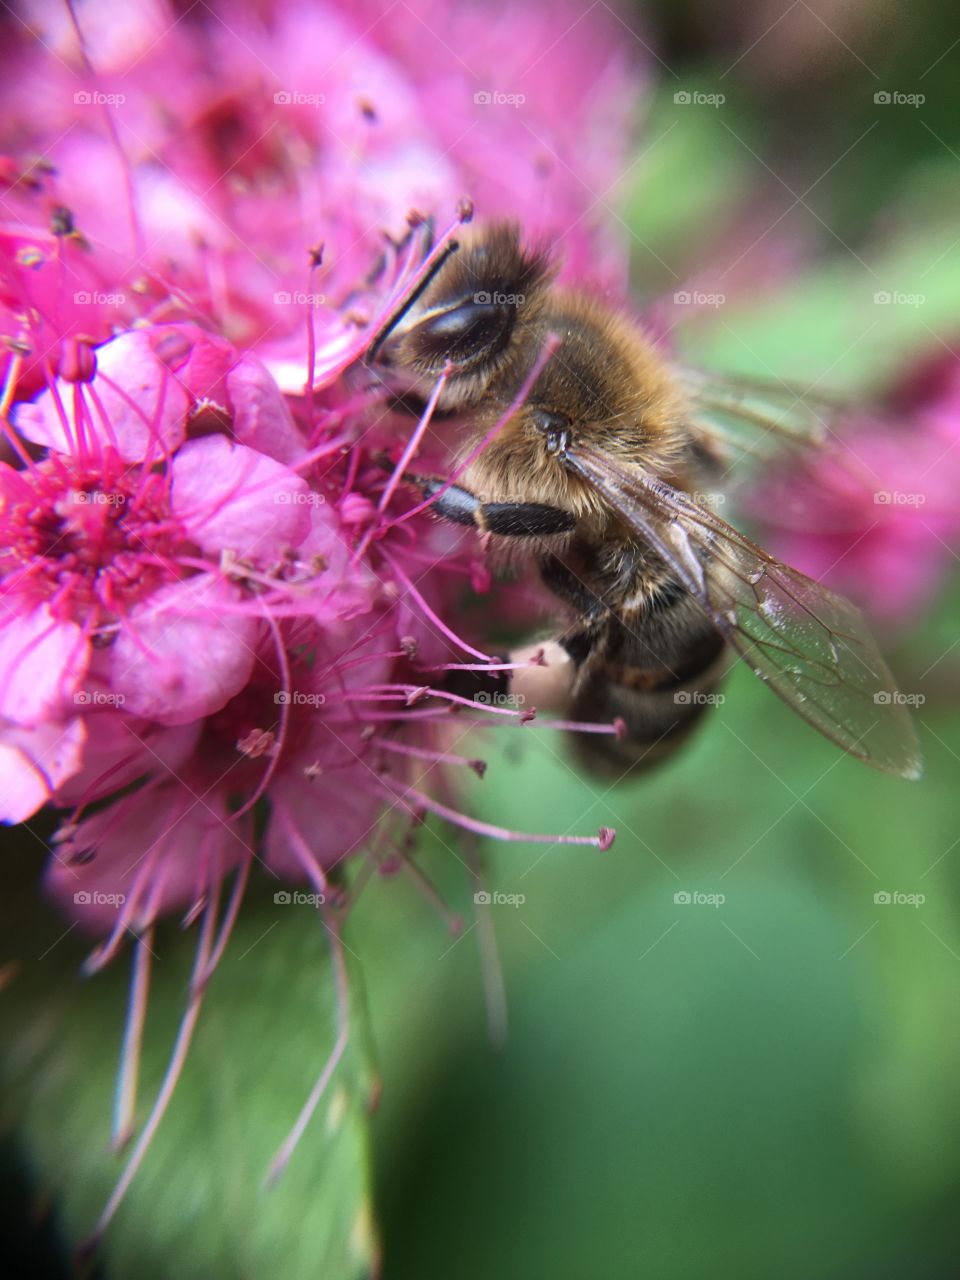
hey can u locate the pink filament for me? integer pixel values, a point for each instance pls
(167, 1087)
(548, 349)
(126, 1096)
(602, 840)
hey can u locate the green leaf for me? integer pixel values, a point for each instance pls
(198, 1206)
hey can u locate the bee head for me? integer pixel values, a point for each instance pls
(474, 318)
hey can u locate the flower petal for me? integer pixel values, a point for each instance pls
(326, 819)
(261, 417)
(120, 749)
(185, 652)
(133, 404)
(231, 498)
(34, 763)
(42, 660)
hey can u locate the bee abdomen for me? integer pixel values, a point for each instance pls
(660, 700)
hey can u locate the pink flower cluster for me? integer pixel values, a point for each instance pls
(223, 634)
(214, 597)
(876, 516)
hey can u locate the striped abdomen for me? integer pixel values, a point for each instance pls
(645, 654)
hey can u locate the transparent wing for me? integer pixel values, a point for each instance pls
(741, 418)
(812, 647)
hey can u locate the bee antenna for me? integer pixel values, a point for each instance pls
(442, 254)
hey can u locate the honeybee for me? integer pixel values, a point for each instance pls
(605, 450)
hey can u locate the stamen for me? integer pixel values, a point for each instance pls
(429, 267)
(430, 614)
(341, 996)
(537, 660)
(174, 1067)
(479, 767)
(453, 921)
(273, 759)
(413, 444)
(602, 840)
(491, 969)
(229, 919)
(417, 693)
(125, 1103)
(617, 728)
(6, 400)
(139, 241)
(316, 259)
(549, 346)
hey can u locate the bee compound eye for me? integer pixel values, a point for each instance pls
(473, 330)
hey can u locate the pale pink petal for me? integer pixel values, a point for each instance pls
(185, 652)
(121, 748)
(134, 404)
(261, 417)
(42, 661)
(231, 498)
(34, 763)
(200, 360)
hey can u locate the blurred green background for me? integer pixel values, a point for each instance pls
(766, 1087)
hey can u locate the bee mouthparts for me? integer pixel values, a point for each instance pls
(558, 442)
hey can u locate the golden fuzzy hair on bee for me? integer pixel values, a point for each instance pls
(608, 382)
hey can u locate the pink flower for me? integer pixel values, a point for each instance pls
(104, 576)
(877, 517)
(321, 123)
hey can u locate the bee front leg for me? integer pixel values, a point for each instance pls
(505, 519)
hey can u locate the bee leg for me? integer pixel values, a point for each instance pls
(505, 519)
(564, 580)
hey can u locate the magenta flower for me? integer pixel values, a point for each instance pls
(216, 600)
(876, 517)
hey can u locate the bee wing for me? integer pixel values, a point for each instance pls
(740, 417)
(812, 647)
